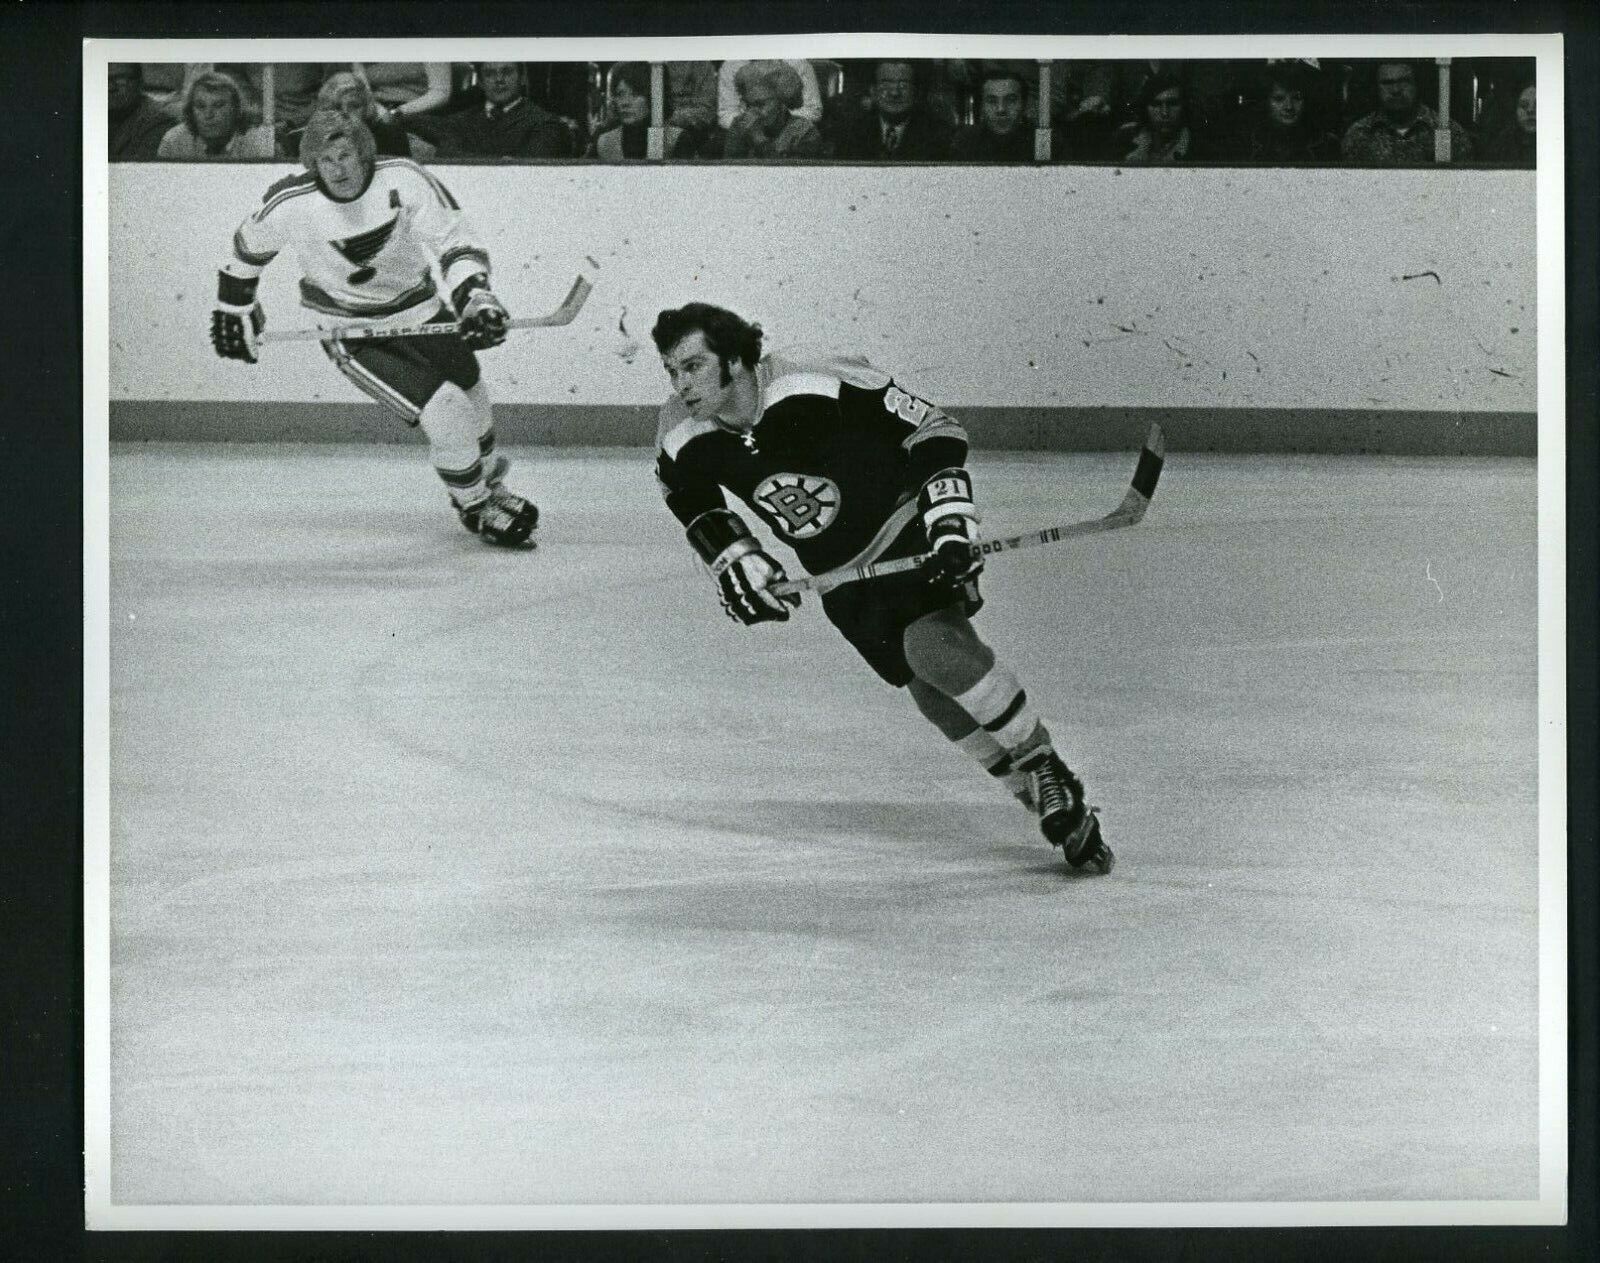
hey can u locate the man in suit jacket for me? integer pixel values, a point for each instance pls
(506, 125)
(897, 127)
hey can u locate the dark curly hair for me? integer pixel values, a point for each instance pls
(727, 336)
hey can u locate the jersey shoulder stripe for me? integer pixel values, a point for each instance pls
(295, 180)
(849, 367)
(675, 427)
(795, 383)
(433, 183)
(290, 193)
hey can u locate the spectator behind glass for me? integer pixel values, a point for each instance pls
(692, 98)
(352, 98)
(692, 104)
(1399, 133)
(1210, 90)
(294, 90)
(1515, 144)
(1082, 113)
(730, 104)
(135, 125)
(404, 87)
(563, 88)
(896, 126)
(1001, 134)
(214, 125)
(1279, 128)
(1161, 131)
(167, 84)
(505, 125)
(630, 106)
(771, 125)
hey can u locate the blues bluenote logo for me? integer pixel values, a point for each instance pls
(803, 504)
(362, 248)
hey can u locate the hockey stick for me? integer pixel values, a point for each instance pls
(1129, 513)
(565, 314)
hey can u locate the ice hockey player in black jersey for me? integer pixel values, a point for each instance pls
(369, 234)
(846, 467)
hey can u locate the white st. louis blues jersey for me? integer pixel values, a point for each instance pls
(371, 257)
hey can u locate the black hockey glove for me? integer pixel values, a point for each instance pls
(743, 570)
(951, 521)
(234, 331)
(483, 316)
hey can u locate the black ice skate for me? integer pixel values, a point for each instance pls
(504, 518)
(1064, 818)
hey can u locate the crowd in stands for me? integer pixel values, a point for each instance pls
(1288, 112)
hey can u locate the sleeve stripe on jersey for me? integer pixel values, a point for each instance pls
(450, 257)
(245, 255)
(938, 425)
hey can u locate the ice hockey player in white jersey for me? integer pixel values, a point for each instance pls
(370, 235)
(845, 467)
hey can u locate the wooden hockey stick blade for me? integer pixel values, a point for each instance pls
(1135, 503)
(565, 314)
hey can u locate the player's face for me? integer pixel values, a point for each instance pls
(698, 376)
(1397, 90)
(631, 107)
(215, 115)
(892, 90)
(341, 168)
(122, 88)
(500, 81)
(1002, 106)
(1165, 110)
(1284, 105)
(1527, 111)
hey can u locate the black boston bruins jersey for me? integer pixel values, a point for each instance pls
(832, 464)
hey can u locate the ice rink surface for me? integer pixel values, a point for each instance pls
(441, 874)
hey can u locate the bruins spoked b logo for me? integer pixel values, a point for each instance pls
(803, 504)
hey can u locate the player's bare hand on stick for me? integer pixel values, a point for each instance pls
(744, 571)
(483, 317)
(951, 521)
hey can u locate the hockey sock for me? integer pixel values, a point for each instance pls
(494, 466)
(996, 760)
(968, 735)
(453, 426)
(1000, 705)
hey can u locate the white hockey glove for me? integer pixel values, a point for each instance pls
(234, 331)
(483, 316)
(951, 521)
(744, 572)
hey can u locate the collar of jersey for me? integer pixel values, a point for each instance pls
(761, 406)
